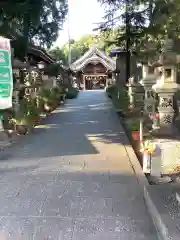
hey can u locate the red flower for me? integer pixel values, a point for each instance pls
(154, 115)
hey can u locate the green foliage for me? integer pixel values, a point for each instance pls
(119, 97)
(72, 93)
(53, 69)
(141, 22)
(133, 124)
(50, 96)
(51, 19)
(33, 21)
(56, 93)
(46, 96)
(112, 90)
(59, 55)
(28, 110)
(79, 47)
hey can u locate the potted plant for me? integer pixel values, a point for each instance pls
(20, 120)
(56, 91)
(21, 125)
(8, 125)
(72, 93)
(46, 97)
(133, 125)
(33, 113)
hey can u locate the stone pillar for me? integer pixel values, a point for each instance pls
(84, 82)
(16, 100)
(148, 80)
(166, 88)
(54, 82)
(135, 93)
(131, 89)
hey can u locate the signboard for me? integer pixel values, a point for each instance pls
(6, 76)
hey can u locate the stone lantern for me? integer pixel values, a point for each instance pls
(148, 80)
(166, 87)
(135, 93)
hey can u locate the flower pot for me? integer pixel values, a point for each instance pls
(10, 132)
(36, 121)
(21, 129)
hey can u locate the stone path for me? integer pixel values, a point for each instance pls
(72, 180)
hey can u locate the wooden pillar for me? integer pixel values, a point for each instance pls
(84, 82)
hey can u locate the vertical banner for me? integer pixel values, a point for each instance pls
(6, 76)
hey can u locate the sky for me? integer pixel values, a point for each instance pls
(82, 16)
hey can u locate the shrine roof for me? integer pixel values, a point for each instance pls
(94, 55)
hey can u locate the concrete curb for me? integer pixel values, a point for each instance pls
(162, 231)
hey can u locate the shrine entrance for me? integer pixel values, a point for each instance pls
(94, 69)
(94, 82)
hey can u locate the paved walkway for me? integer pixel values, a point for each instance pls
(72, 180)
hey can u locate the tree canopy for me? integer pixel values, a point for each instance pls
(141, 21)
(79, 47)
(37, 21)
(142, 25)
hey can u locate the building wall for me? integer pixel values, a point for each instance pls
(94, 69)
(90, 69)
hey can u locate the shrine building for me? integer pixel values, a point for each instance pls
(94, 69)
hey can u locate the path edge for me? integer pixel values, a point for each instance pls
(161, 229)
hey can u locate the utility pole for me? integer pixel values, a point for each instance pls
(69, 36)
(128, 40)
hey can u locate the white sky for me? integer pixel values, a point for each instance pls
(83, 13)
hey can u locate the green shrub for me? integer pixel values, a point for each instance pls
(72, 93)
(133, 124)
(28, 109)
(56, 91)
(111, 90)
(119, 97)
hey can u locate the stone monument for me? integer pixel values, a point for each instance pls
(148, 80)
(166, 87)
(167, 162)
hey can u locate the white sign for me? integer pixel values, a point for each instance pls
(6, 76)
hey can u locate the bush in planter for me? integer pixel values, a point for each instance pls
(60, 93)
(8, 114)
(71, 93)
(133, 124)
(119, 97)
(55, 95)
(21, 125)
(111, 90)
(56, 91)
(46, 97)
(20, 121)
(33, 112)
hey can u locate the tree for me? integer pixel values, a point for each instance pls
(52, 17)
(142, 20)
(79, 47)
(58, 55)
(130, 20)
(38, 21)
